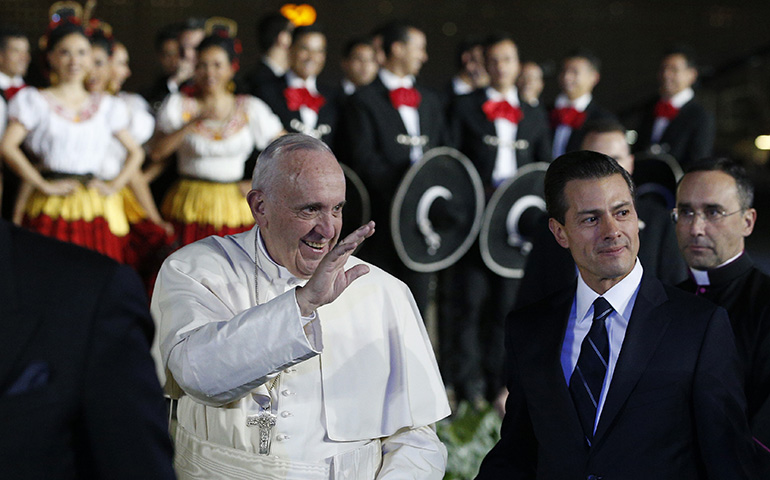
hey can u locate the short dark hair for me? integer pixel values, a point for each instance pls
(222, 41)
(686, 51)
(466, 45)
(305, 30)
(268, 29)
(8, 32)
(351, 44)
(603, 125)
(579, 165)
(495, 38)
(587, 55)
(192, 23)
(166, 33)
(732, 168)
(397, 31)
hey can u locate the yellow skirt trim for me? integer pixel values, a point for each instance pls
(134, 212)
(201, 202)
(84, 204)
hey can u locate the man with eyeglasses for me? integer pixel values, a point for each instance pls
(713, 216)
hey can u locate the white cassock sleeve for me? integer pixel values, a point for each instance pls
(413, 453)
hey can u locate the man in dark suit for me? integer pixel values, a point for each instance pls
(302, 104)
(359, 65)
(388, 125)
(575, 105)
(677, 124)
(273, 39)
(550, 268)
(714, 216)
(650, 388)
(79, 397)
(499, 134)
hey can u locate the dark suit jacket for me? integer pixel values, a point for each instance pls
(744, 291)
(79, 397)
(272, 94)
(593, 112)
(469, 126)
(674, 410)
(260, 75)
(688, 137)
(369, 145)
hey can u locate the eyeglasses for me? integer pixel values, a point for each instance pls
(708, 214)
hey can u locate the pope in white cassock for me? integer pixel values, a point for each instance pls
(290, 358)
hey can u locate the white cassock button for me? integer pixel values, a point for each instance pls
(287, 393)
(286, 414)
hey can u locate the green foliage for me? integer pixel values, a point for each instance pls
(468, 435)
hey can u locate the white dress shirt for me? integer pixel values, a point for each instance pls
(562, 133)
(308, 115)
(505, 130)
(409, 115)
(661, 123)
(622, 298)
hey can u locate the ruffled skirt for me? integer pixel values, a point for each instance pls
(199, 208)
(85, 217)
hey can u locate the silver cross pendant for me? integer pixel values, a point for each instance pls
(265, 421)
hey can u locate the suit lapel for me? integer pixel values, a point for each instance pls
(394, 118)
(645, 329)
(16, 326)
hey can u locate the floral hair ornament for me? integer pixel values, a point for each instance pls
(226, 28)
(58, 13)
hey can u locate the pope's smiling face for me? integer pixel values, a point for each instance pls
(300, 218)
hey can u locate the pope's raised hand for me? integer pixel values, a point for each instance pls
(330, 278)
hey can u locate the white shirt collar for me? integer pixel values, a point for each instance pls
(348, 87)
(579, 104)
(8, 82)
(393, 81)
(271, 269)
(701, 277)
(618, 296)
(682, 97)
(460, 86)
(277, 71)
(512, 96)
(293, 81)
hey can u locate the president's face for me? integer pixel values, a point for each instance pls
(601, 230)
(300, 218)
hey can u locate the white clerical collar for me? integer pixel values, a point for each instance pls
(274, 67)
(7, 82)
(701, 277)
(393, 81)
(682, 97)
(293, 81)
(271, 269)
(579, 104)
(511, 96)
(618, 296)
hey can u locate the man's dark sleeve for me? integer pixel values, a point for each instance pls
(123, 407)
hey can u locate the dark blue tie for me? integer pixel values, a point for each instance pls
(586, 382)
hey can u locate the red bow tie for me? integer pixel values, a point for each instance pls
(298, 97)
(11, 91)
(568, 116)
(407, 97)
(664, 109)
(502, 109)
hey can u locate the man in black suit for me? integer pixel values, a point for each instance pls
(168, 55)
(677, 124)
(302, 104)
(714, 216)
(575, 105)
(499, 134)
(273, 39)
(359, 64)
(650, 388)
(79, 397)
(550, 268)
(388, 125)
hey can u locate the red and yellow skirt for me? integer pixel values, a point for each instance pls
(199, 208)
(85, 217)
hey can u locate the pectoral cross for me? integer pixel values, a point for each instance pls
(265, 421)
